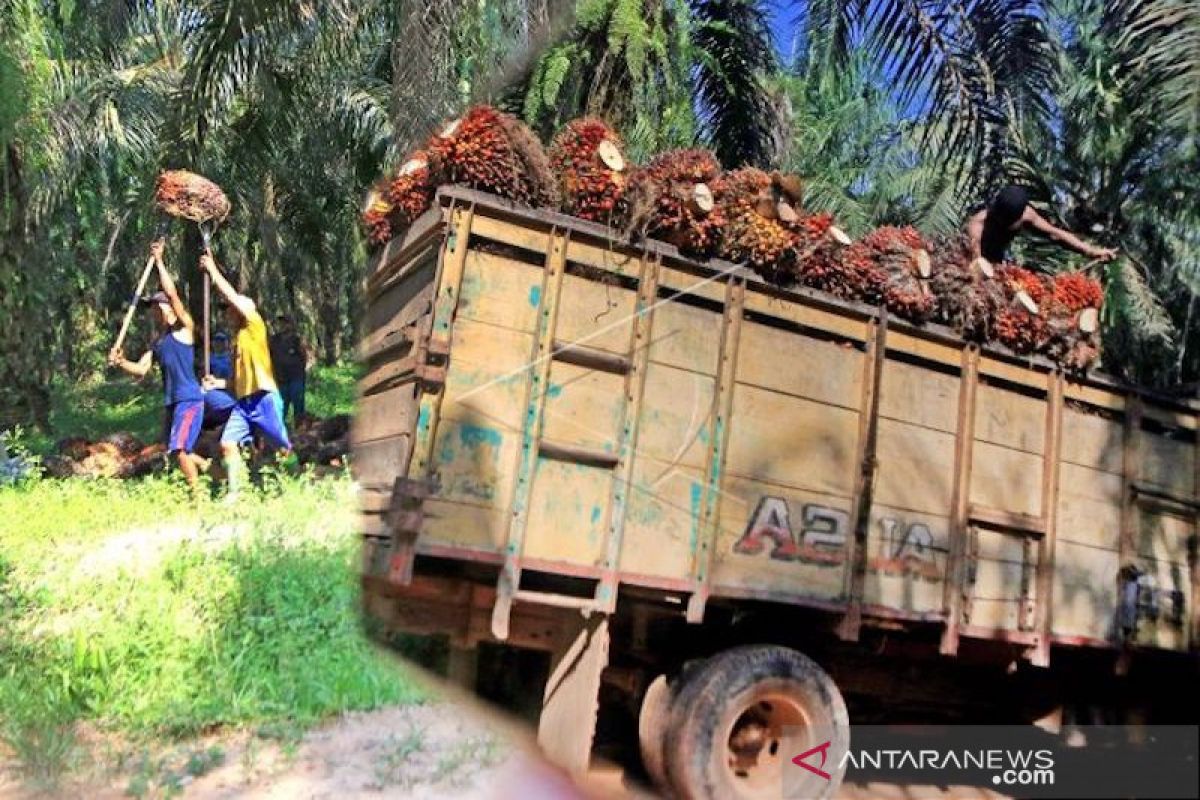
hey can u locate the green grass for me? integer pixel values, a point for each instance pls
(95, 409)
(127, 605)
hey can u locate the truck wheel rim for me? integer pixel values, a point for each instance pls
(761, 736)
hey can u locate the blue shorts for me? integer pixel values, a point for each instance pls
(185, 418)
(218, 404)
(260, 413)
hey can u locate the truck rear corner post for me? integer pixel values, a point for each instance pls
(666, 476)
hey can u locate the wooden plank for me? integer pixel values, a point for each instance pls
(714, 473)
(1093, 396)
(605, 254)
(838, 324)
(784, 361)
(1048, 547)
(1085, 591)
(574, 454)
(535, 401)
(535, 238)
(662, 517)
(937, 352)
(780, 541)
(920, 396)
(583, 407)
(1130, 470)
(961, 496)
(450, 269)
(1006, 479)
(1167, 464)
(678, 283)
(686, 337)
(591, 358)
(597, 315)
(676, 411)
(1006, 520)
(907, 560)
(635, 384)
(792, 441)
(916, 467)
(1089, 506)
(1091, 441)
(571, 700)
(864, 483)
(1010, 419)
(500, 291)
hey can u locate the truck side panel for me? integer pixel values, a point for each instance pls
(1045, 516)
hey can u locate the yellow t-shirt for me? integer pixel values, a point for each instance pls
(252, 371)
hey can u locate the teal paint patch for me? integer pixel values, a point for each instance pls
(697, 496)
(554, 390)
(476, 436)
(535, 296)
(595, 514)
(423, 418)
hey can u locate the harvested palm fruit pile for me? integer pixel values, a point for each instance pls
(588, 158)
(672, 199)
(119, 455)
(316, 441)
(749, 217)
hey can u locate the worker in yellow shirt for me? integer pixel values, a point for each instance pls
(258, 409)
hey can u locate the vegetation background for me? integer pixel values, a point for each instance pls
(896, 111)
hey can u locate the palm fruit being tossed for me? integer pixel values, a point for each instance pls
(753, 233)
(1019, 325)
(185, 194)
(672, 198)
(588, 158)
(487, 150)
(966, 299)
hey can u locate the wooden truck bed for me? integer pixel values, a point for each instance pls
(545, 400)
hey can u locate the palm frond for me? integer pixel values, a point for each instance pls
(739, 120)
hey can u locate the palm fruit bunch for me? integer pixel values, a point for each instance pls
(1072, 312)
(410, 192)
(754, 234)
(588, 157)
(967, 299)
(185, 194)
(673, 199)
(493, 152)
(1019, 325)
(891, 266)
(377, 216)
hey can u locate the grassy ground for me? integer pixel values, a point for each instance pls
(128, 608)
(120, 403)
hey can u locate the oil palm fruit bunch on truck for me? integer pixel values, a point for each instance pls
(588, 158)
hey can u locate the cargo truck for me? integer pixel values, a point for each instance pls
(723, 510)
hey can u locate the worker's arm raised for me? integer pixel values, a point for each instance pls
(168, 287)
(1064, 237)
(138, 368)
(975, 232)
(239, 301)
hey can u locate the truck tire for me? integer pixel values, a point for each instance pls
(726, 739)
(652, 729)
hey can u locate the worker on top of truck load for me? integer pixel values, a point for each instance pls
(258, 409)
(173, 348)
(993, 227)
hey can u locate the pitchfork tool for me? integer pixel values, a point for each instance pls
(137, 293)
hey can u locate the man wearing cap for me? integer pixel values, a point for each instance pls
(220, 362)
(289, 357)
(173, 348)
(253, 381)
(993, 227)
